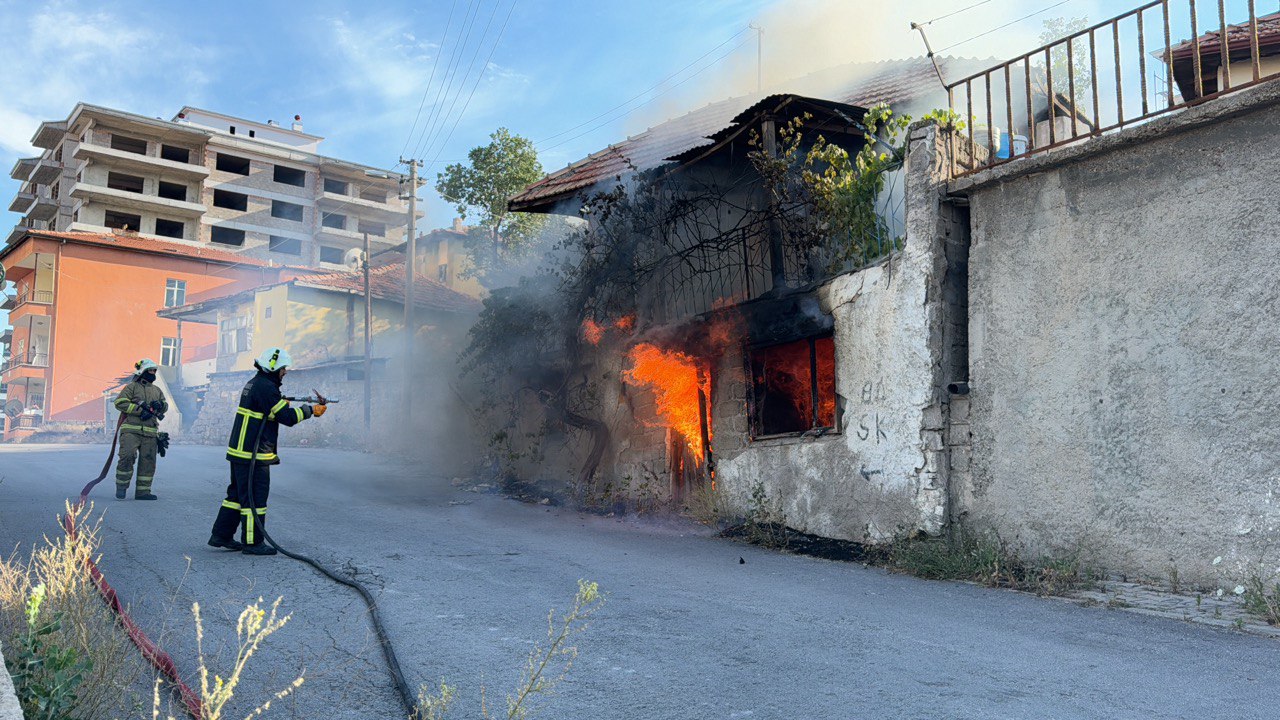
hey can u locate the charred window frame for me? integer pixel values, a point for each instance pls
(793, 388)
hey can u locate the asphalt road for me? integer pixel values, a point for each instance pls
(688, 631)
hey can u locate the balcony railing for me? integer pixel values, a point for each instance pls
(30, 358)
(27, 295)
(1106, 77)
(25, 422)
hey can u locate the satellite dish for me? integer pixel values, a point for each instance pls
(353, 258)
(13, 408)
(2, 276)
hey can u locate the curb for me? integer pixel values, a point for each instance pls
(9, 708)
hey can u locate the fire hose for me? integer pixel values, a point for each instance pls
(161, 660)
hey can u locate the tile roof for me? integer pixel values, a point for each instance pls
(898, 82)
(1237, 39)
(139, 243)
(387, 283)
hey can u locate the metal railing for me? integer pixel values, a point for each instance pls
(31, 358)
(1083, 85)
(27, 295)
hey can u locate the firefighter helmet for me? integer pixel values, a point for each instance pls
(273, 359)
(144, 365)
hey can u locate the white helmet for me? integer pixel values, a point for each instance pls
(144, 365)
(273, 358)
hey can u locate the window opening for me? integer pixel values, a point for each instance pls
(285, 245)
(170, 228)
(329, 254)
(793, 387)
(121, 221)
(337, 187)
(230, 200)
(286, 210)
(175, 154)
(373, 228)
(334, 220)
(233, 164)
(172, 191)
(127, 183)
(290, 176)
(226, 236)
(128, 144)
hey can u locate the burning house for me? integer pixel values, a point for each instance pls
(750, 354)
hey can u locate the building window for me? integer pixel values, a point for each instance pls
(443, 274)
(337, 187)
(226, 236)
(169, 352)
(230, 200)
(285, 245)
(330, 254)
(170, 228)
(175, 154)
(128, 144)
(172, 191)
(373, 228)
(121, 221)
(334, 220)
(127, 183)
(233, 129)
(175, 293)
(290, 176)
(233, 164)
(286, 210)
(251, 133)
(793, 387)
(233, 335)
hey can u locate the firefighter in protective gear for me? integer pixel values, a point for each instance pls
(143, 406)
(254, 434)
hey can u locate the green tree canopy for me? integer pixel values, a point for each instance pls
(481, 188)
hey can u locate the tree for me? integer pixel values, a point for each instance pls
(481, 189)
(1056, 29)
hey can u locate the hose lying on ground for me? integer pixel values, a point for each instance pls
(158, 658)
(407, 697)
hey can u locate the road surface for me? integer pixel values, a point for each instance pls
(466, 580)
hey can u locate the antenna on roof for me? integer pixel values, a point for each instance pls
(932, 58)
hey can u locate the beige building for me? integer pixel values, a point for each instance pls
(203, 178)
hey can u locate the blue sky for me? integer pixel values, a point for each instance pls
(358, 72)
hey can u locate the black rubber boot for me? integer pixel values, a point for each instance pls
(215, 541)
(121, 491)
(144, 496)
(260, 549)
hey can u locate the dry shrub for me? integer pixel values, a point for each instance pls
(85, 625)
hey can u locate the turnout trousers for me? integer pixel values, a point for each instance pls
(236, 510)
(139, 447)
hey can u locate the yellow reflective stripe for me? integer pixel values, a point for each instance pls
(248, 525)
(245, 455)
(248, 412)
(300, 414)
(244, 428)
(230, 505)
(262, 511)
(277, 408)
(143, 428)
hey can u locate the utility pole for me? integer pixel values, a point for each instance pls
(368, 340)
(759, 53)
(410, 270)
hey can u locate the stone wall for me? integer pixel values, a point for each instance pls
(884, 472)
(1123, 343)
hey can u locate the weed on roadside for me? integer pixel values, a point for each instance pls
(989, 560)
(1262, 600)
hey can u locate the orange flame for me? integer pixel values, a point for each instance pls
(592, 331)
(674, 379)
(626, 323)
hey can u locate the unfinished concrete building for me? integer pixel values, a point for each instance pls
(204, 178)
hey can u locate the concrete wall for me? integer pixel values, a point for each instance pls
(9, 707)
(884, 472)
(1123, 342)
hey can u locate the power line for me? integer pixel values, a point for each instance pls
(470, 65)
(435, 61)
(646, 102)
(1015, 22)
(458, 119)
(447, 80)
(450, 78)
(954, 12)
(646, 91)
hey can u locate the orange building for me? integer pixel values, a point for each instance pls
(84, 310)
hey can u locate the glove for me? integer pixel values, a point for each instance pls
(162, 443)
(157, 408)
(318, 410)
(145, 413)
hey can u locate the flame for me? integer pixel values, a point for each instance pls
(592, 331)
(674, 379)
(626, 324)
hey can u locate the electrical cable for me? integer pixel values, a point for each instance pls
(435, 61)
(451, 75)
(1015, 22)
(954, 12)
(444, 119)
(502, 31)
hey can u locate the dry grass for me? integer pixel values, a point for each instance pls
(85, 624)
